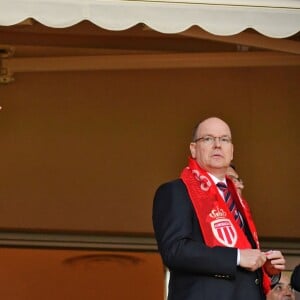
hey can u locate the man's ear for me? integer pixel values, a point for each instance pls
(193, 149)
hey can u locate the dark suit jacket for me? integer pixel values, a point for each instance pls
(197, 271)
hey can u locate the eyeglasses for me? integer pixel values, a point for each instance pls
(209, 140)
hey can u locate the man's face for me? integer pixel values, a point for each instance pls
(282, 290)
(215, 154)
(233, 175)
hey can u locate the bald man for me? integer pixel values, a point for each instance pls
(204, 230)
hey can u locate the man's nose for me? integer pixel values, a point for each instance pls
(217, 142)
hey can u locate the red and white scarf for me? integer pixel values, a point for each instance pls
(217, 223)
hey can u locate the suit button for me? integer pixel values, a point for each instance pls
(256, 281)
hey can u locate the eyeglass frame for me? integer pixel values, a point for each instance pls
(212, 139)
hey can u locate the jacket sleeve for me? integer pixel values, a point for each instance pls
(179, 237)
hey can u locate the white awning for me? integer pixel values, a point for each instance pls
(273, 18)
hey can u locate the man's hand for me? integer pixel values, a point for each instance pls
(252, 259)
(275, 262)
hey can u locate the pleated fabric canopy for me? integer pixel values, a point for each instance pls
(272, 18)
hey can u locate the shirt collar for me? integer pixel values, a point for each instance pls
(216, 180)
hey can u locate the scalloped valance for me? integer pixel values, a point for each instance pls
(273, 18)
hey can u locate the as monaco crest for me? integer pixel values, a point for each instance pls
(224, 232)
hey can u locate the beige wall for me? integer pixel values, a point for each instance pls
(69, 274)
(86, 150)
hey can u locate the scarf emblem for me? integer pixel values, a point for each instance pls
(222, 228)
(224, 232)
(204, 181)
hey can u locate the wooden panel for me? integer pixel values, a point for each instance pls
(68, 274)
(150, 61)
(85, 151)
